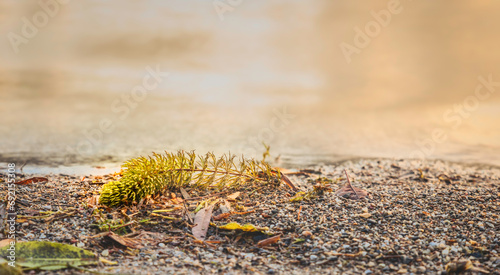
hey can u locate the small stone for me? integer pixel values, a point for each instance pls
(161, 245)
(42, 236)
(402, 271)
(313, 257)
(30, 236)
(445, 252)
(421, 269)
(368, 271)
(105, 253)
(80, 244)
(433, 244)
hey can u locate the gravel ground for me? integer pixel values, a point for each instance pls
(417, 218)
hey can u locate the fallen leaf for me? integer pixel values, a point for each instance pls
(104, 261)
(298, 240)
(247, 227)
(233, 196)
(298, 197)
(221, 216)
(268, 241)
(32, 180)
(123, 241)
(225, 207)
(351, 192)
(287, 181)
(202, 221)
(185, 194)
(49, 255)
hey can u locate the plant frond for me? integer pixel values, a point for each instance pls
(145, 176)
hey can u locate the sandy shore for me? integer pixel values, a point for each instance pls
(418, 218)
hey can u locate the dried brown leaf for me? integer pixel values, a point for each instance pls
(351, 192)
(31, 181)
(268, 241)
(221, 216)
(233, 196)
(202, 221)
(185, 194)
(287, 181)
(123, 241)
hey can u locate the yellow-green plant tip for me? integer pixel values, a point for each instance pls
(148, 176)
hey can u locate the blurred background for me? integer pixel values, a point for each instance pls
(318, 81)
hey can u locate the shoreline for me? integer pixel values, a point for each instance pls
(105, 167)
(418, 218)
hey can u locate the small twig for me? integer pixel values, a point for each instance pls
(22, 166)
(164, 217)
(127, 224)
(298, 215)
(186, 212)
(350, 185)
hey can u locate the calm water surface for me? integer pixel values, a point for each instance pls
(268, 72)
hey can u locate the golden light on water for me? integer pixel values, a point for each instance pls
(409, 67)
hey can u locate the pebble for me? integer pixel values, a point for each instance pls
(105, 253)
(161, 245)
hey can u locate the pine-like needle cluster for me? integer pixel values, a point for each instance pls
(145, 176)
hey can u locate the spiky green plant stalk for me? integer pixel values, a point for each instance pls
(145, 176)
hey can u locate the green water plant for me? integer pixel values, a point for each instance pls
(145, 176)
